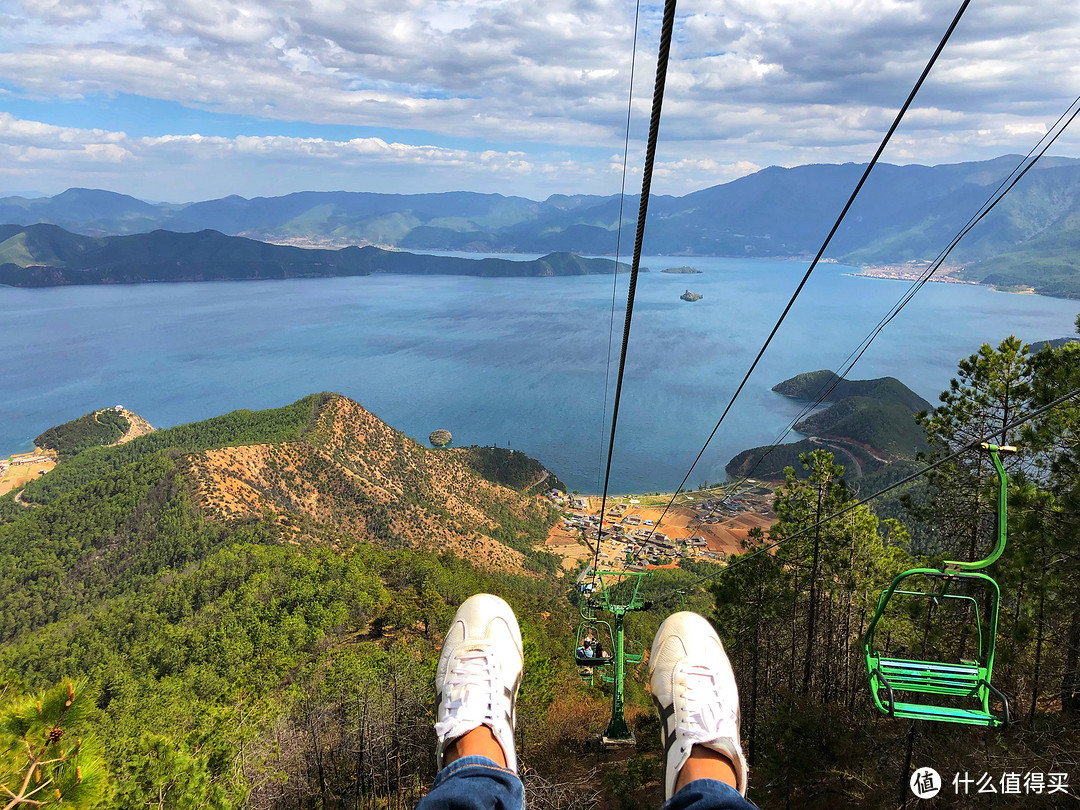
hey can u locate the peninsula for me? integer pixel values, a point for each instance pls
(49, 256)
(867, 425)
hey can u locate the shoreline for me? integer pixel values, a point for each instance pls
(913, 271)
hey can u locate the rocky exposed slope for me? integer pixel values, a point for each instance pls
(373, 484)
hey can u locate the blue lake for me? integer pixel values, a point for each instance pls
(495, 361)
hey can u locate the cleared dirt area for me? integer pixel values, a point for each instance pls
(567, 544)
(18, 474)
(726, 536)
(723, 527)
(137, 426)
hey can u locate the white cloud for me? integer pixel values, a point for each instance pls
(751, 82)
(144, 166)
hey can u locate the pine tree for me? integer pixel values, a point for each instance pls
(43, 761)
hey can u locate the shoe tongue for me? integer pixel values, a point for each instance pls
(706, 715)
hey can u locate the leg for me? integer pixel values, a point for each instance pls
(695, 691)
(476, 686)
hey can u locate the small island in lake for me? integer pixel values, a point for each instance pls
(440, 438)
(683, 270)
(691, 296)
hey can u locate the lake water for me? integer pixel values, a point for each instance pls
(495, 361)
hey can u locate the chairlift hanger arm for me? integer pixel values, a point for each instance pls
(1002, 512)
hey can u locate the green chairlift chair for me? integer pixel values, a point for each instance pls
(600, 632)
(966, 684)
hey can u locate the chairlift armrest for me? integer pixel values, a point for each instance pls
(888, 688)
(1004, 701)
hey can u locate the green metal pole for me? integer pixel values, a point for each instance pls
(617, 729)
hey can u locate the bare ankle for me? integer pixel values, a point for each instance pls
(705, 763)
(480, 742)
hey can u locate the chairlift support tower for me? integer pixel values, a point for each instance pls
(618, 732)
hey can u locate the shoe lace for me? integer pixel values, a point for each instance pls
(473, 694)
(706, 718)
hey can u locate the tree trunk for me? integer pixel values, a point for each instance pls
(752, 731)
(1038, 652)
(811, 619)
(1070, 680)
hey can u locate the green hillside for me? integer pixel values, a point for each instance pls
(210, 638)
(812, 384)
(867, 424)
(883, 425)
(1048, 265)
(44, 255)
(769, 463)
(236, 428)
(91, 430)
(511, 468)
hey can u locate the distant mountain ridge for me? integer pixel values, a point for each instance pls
(903, 213)
(47, 255)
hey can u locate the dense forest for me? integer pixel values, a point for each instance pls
(166, 643)
(794, 620)
(511, 468)
(91, 430)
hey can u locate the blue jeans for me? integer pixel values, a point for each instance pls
(477, 783)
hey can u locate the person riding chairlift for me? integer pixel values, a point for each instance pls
(586, 650)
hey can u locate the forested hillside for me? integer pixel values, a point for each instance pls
(242, 614)
(246, 612)
(867, 425)
(48, 256)
(91, 430)
(794, 620)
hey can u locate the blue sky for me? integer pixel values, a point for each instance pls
(195, 99)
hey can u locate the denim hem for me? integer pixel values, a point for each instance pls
(474, 760)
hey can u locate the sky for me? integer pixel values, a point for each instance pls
(181, 100)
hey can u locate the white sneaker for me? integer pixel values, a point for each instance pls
(694, 691)
(479, 672)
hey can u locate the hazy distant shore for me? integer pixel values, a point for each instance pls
(913, 271)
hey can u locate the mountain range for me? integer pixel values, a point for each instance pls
(904, 213)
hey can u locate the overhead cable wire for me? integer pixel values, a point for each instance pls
(666, 28)
(618, 246)
(615, 279)
(967, 448)
(1003, 188)
(824, 245)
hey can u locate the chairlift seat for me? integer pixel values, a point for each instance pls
(891, 675)
(595, 661)
(968, 680)
(970, 717)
